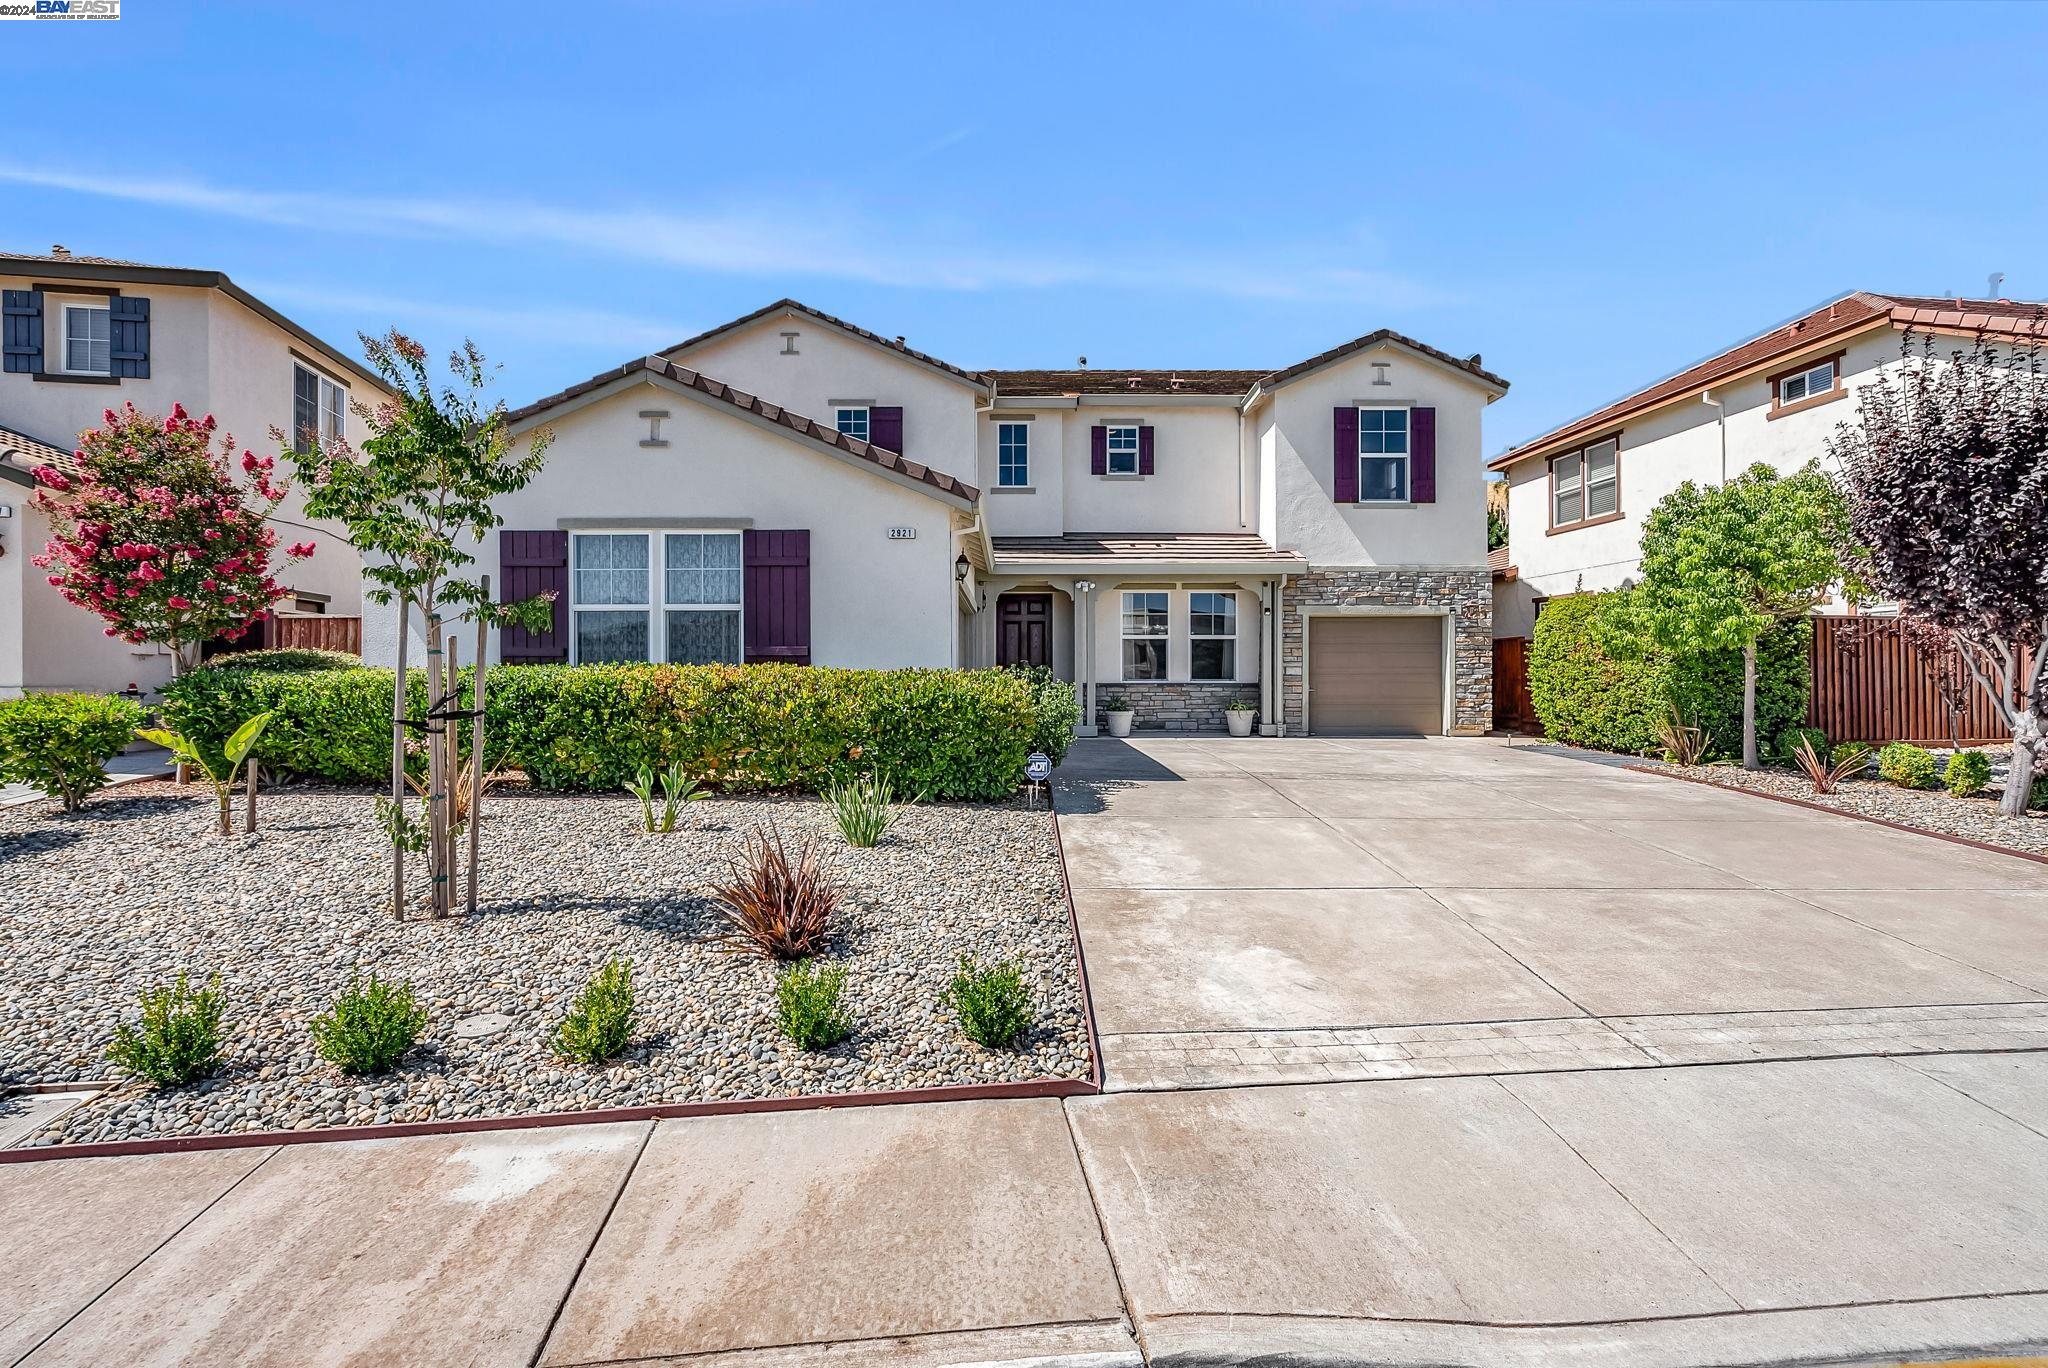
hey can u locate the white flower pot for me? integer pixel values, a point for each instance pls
(1120, 722)
(1240, 722)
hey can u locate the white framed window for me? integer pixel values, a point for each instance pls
(1123, 454)
(1013, 455)
(88, 339)
(318, 405)
(1810, 383)
(1144, 634)
(1212, 635)
(1382, 454)
(618, 581)
(852, 421)
(1585, 486)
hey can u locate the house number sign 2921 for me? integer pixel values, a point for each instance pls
(902, 534)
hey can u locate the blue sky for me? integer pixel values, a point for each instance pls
(1590, 196)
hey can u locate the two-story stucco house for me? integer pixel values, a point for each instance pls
(1577, 495)
(792, 487)
(85, 334)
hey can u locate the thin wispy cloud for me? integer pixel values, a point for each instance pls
(941, 143)
(821, 240)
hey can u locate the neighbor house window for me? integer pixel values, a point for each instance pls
(1013, 455)
(701, 597)
(1144, 632)
(615, 575)
(1815, 382)
(1382, 455)
(1212, 636)
(852, 422)
(1123, 452)
(1585, 486)
(317, 406)
(88, 340)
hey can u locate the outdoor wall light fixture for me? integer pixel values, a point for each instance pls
(960, 568)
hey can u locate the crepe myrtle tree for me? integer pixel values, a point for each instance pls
(1722, 564)
(154, 535)
(421, 489)
(1946, 472)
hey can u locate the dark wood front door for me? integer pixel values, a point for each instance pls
(1024, 629)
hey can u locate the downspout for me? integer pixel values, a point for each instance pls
(1244, 411)
(1721, 421)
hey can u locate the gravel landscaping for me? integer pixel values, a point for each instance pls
(1977, 819)
(135, 887)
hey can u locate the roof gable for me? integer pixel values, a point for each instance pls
(791, 307)
(1468, 366)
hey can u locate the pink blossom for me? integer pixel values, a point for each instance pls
(299, 550)
(52, 478)
(179, 601)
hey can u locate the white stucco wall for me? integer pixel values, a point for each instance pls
(1297, 439)
(1659, 451)
(832, 365)
(1194, 486)
(875, 602)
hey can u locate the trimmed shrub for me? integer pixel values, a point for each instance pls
(599, 1026)
(941, 733)
(1586, 696)
(61, 742)
(370, 1027)
(809, 1005)
(1848, 750)
(287, 660)
(178, 1039)
(1813, 736)
(1967, 773)
(1907, 765)
(992, 1001)
(1056, 709)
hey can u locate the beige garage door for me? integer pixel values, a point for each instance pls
(1375, 674)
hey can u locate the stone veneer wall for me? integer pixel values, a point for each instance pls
(1189, 706)
(1466, 594)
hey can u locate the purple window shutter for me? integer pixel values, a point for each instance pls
(1344, 450)
(777, 602)
(1098, 451)
(532, 563)
(1144, 451)
(1422, 455)
(885, 429)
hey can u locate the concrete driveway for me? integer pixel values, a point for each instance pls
(1297, 910)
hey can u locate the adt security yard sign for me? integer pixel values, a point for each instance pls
(1037, 769)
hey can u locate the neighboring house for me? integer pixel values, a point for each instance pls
(1578, 494)
(85, 334)
(792, 487)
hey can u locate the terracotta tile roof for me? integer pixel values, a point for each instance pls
(822, 433)
(76, 259)
(1497, 560)
(1147, 548)
(894, 344)
(1469, 364)
(1851, 313)
(1109, 380)
(20, 449)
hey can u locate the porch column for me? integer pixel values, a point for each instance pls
(1084, 654)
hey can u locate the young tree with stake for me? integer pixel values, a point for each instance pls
(420, 490)
(1946, 472)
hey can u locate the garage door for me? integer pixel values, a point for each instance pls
(1376, 674)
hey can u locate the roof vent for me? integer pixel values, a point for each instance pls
(1473, 359)
(1081, 363)
(899, 340)
(1133, 382)
(1173, 382)
(58, 249)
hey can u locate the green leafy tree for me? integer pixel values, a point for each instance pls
(421, 491)
(1722, 564)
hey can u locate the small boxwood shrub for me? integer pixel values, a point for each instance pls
(1967, 773)
(1814, 736)
(1586, 696)
(1847, 749)
(1907, 765)
(178, 1039)
(810, 1006)
(599, 1026)
(992, 1001)
(61, 742)
(370, 1027)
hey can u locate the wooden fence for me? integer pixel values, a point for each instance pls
(313, 631)
(1513, 710)
(1872, 684)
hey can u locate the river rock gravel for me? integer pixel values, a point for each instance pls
(134, 888)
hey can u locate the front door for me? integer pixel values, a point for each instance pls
(1024, 629)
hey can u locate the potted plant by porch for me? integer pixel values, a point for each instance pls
(1117, 709)
(1238, 714)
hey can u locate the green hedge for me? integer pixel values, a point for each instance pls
(61, 742)
(1587, 697)
(943, 733)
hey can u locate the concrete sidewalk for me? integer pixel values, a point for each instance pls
(1853, 1211)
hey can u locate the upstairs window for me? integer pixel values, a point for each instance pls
(1144, 634)
(88, 340)
(317, 407)
(1013, 455)
(1123, 454)
(1585, 486)
(1810, 383)
(1382, 455)
(1212, 636)
(852, 422)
